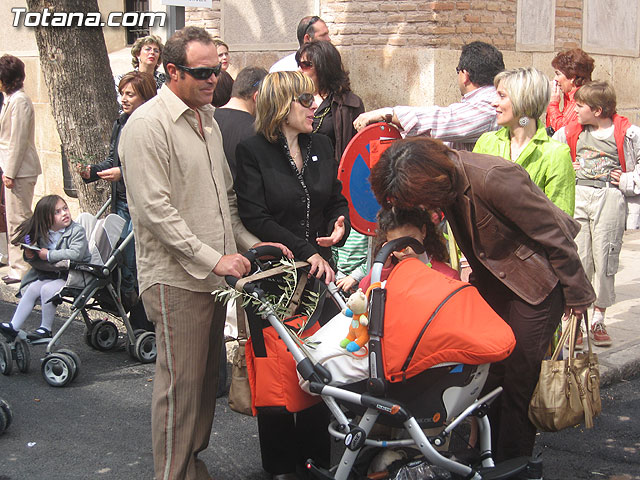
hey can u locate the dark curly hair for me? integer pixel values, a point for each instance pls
(11, 73)
(575, 64)
(392, 218)
(330, 72)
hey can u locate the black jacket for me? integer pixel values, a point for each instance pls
(272, 202)
(118, 190)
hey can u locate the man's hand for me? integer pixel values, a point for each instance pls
(235, 265)
(287, 253)
(111, 174)
(336, 235)
(374, 116)
(320, 266)
(8, 182)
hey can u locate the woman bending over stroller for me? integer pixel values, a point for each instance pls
(54, 237)
(416, 223)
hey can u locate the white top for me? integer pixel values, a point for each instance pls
(286, 64)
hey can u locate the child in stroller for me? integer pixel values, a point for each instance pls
(428, 362)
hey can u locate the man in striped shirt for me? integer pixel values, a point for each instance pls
(460, 124)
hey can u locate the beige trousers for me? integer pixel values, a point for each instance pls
(18, 202)
(601, 213)
(189, 328)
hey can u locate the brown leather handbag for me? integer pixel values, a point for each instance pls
(568, 391)
(240, 391)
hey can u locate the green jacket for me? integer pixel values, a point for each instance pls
(547, 162)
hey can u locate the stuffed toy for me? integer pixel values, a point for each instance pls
(356, 309)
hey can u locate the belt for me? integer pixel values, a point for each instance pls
(594, 183)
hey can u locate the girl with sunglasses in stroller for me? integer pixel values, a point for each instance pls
(288, 192)
(48, 237)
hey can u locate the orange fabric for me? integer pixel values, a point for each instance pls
(273, 379)
(464, 329)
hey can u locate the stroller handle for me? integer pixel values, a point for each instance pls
(388, 249)
(252, 255)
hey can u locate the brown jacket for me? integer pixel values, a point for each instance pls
(345, 108)
(502, 220)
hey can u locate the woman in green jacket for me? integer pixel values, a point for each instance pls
(522, 97)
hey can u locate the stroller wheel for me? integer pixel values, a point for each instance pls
(4, 422)
(8, 415)
(88, 331)
(23, 355)
(6, 359)
(57, 369)
(104, 335)
(145, 348)
(75, 359)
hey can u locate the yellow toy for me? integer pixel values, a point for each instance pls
(358, 335)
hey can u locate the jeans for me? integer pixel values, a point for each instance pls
(128, 270)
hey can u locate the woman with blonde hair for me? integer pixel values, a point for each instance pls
(288, 192)
(522, 97)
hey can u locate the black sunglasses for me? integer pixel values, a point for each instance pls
(305, 64)
(201, 73)
(312, 20)
(305, 99)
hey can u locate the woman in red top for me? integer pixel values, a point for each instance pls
(572, 70)
(416, 223)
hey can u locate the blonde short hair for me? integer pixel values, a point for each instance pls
(141, 42)
(528, 89)
(273, 103)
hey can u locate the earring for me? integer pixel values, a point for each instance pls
(524, 121)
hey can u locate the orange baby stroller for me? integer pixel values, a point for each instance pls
(432, 340)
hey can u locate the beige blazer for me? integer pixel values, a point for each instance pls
(18, 156)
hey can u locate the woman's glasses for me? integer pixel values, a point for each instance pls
(305, 99)
(201, 73)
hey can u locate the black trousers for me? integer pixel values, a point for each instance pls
(513, 435)
(287, 440)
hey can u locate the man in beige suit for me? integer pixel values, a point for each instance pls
(186, 224)
(18, 157)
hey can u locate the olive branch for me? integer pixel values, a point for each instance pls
(277, 304)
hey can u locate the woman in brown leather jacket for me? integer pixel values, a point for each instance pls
(338, 106)
(521, 250)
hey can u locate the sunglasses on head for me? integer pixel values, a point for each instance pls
(305, 99)
(201, 73)
(305, 64)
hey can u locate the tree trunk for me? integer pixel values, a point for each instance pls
(76, 70)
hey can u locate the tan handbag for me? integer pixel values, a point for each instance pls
(240, 392)
(568, 391)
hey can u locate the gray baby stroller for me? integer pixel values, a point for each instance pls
(426, 369)
(93, 286)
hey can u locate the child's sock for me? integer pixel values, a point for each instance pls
(598, 316)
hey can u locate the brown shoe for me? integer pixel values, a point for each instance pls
(9, 280)
(599, 335)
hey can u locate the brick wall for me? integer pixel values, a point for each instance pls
(568, 24)
(208, 18)
(439, 23)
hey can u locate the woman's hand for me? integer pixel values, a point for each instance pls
(576, 165)
(111, 174)
(43, 254)
(319, 267)
(83, 170)
(556, 93)
(336, 235)
(286, 252)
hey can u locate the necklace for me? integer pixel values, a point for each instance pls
(320, 116)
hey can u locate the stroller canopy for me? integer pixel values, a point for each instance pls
(431, 319)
